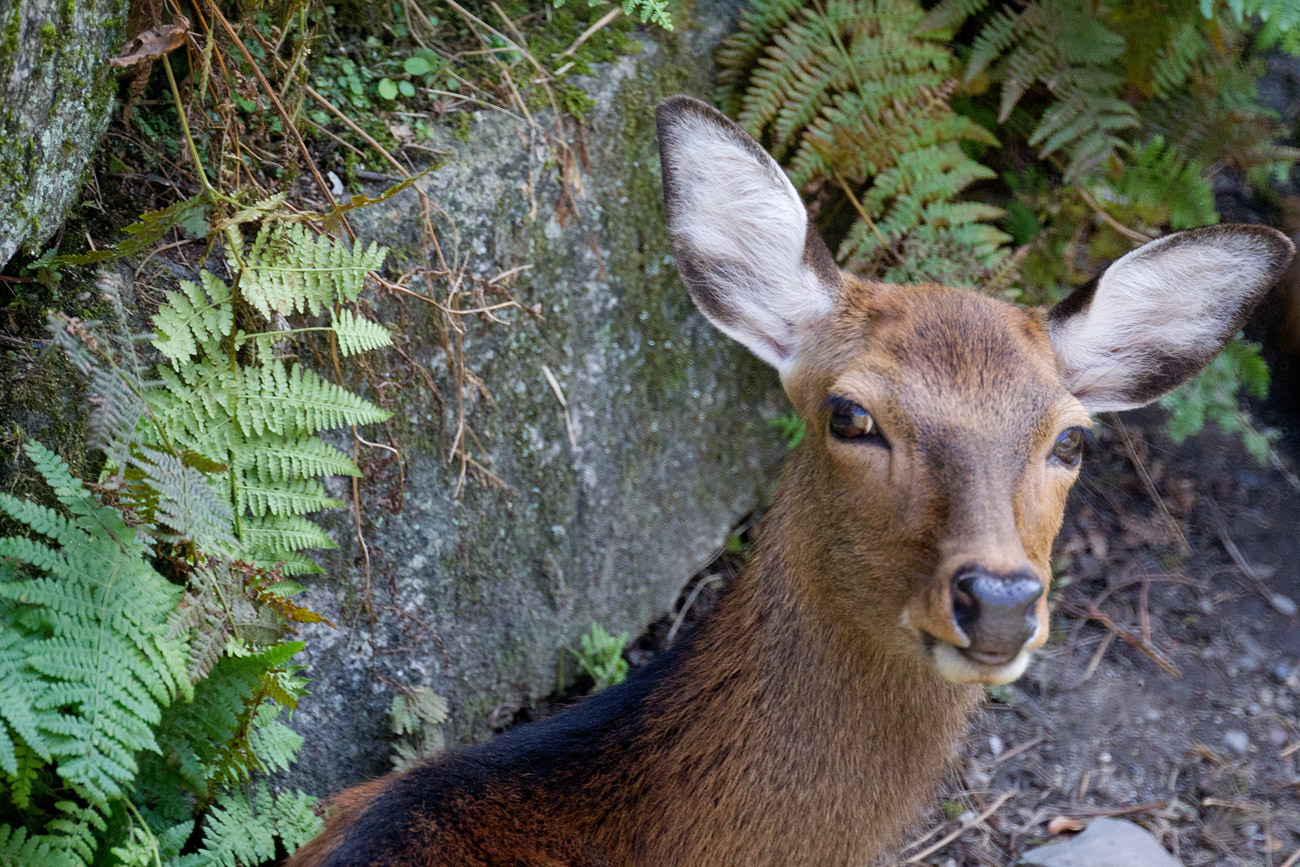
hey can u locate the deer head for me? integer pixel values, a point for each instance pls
(945, 428)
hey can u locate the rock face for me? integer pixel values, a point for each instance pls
(603, 518)
(55, 95)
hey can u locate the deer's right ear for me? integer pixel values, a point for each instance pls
(741, 235)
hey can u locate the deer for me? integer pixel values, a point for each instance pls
(902, 565)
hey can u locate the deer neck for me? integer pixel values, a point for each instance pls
(788, 738)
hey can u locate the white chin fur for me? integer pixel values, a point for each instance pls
(957, 668)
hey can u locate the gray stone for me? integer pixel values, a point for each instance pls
(1105, 843)
(478, 596)
(1237, 741)
(55, 95)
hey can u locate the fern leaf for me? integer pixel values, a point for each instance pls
(296, 401)
(198, 315)
(951, 14)
(18, 848)
(357, 335)
(289, 269)
(186, 502)
(278, 459)
(101, 666)
(294, 533)
(261, 497)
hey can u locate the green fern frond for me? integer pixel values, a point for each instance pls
(261, 497)
(1167, 187)
(97, 658)
(241, 829)
(295, 401)
(278, 459)
(357, 335)
(294, 533)
(289, 269)
(948, 15)
(19, 848)
(1184, 49)
(198, 315)
(186, 502)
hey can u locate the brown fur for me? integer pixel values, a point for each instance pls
(804, 724)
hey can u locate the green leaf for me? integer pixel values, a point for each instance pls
(417, 66)
(387, 89)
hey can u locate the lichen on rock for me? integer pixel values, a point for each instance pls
(477, 596)
(55, 99)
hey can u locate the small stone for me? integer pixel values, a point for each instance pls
(1277, 735)
(995, 745)
(1283, 670)
(1284, 605)
(1236, 741)
(1205, 605)
(1105, 843)
(1253, 709)
(1104, 758)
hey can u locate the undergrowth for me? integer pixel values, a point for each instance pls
(1017, 147)
(145, 652)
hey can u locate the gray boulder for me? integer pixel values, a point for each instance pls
(604, 516)
(55, 94)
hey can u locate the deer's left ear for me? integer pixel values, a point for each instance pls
(1162, 312)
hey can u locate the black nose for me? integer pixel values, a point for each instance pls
(995, 611)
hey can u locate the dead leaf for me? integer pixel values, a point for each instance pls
(1065, 824)
(153, 43)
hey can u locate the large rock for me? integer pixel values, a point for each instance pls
(55, 96)
(477, 596)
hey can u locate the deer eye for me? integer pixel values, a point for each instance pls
(1069, 446)
(849, 421)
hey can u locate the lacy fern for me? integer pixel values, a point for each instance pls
(144, 671)
(855, 99)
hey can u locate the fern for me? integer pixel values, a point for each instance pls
(197, 316)
(1170, 188)
(291, 401)
(357, 335)
(242, 829)
(211, 467)
(290, 270)
(416, 717)
(90, 644)
(855, 98)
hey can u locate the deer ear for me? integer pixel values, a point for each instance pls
(740, 233)
(1162, 312)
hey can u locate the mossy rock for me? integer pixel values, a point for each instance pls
(603, 519)
(55, 97)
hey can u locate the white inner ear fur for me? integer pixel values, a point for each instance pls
(744, 223)
(1173, 297)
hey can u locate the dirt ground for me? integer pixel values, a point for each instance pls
(1170, 692)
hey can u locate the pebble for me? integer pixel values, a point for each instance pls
(1205, 606)
(1284, 605)
(995, 745)
(1105, 843)
(1237, 741)
(1283, 670)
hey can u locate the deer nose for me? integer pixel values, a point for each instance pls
(997, 612)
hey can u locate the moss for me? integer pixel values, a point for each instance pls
(49, 35)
